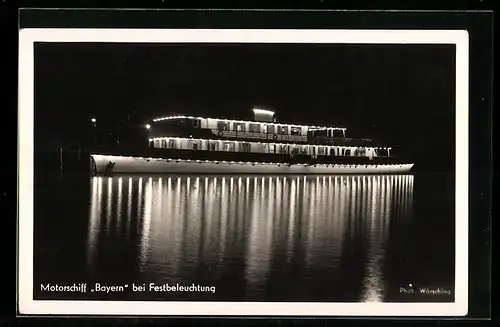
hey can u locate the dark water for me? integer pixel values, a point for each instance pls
(253, 238)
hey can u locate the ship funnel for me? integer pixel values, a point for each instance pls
(263, 115)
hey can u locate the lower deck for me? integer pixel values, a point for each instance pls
(185, 161)
(107, 164)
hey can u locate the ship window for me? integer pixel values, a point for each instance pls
(270, 129)
(195, 146)
(196, 123)
(245, 147)
(222, 126)
(212, 146)
(254, 128)
(171, 144)
(229, 146)
(295, 131)
(321, 133)
(240, 127)
(283, 130)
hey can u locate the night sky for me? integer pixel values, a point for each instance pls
(403, 95)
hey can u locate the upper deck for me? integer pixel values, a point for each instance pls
(256, 130)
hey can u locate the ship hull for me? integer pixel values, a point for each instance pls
(132, 165)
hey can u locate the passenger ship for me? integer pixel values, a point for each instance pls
(187, 144)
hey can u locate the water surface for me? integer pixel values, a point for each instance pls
(253, 238)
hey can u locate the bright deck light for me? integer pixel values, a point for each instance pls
(148, 126)
(263, 111)
(93, 120)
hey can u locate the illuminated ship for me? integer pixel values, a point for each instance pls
(187, 144)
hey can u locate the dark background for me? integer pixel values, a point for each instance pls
(478, 24)
(400, 95)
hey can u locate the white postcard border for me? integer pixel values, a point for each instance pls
(28, 306)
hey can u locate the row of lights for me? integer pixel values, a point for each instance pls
(253, 163)
(110, 179)
(148, 126)
(250, 122)
(236, 142)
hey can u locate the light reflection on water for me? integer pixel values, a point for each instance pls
(200, 227)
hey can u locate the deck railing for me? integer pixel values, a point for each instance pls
(266, 137)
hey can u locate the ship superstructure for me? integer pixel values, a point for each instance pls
(259, 136)
(180, 140)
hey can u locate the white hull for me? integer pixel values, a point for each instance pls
(171, 166)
